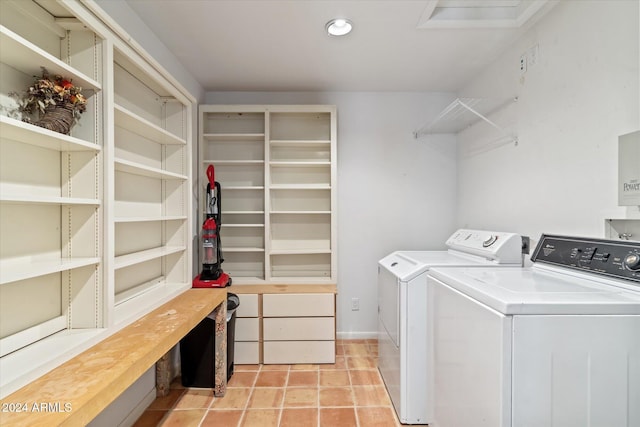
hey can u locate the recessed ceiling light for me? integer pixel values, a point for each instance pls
(339, 27)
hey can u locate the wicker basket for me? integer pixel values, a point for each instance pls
(58, 118)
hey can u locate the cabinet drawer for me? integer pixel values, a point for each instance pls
(247, 329)
(248, 305)
(289, 352)
(246, 353)
(311, 328)
(301, 305)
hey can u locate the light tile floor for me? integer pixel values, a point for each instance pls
(349, 393)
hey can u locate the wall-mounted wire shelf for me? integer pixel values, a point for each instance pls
(463, 113)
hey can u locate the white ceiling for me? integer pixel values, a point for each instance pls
(281, 45)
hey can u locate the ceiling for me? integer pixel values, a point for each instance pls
(281, 45)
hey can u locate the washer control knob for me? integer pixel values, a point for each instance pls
(632, 262)
(490, 241)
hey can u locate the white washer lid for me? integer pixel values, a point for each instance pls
(403, 267)
(529, 291)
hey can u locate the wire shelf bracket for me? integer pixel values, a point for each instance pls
(462, 113)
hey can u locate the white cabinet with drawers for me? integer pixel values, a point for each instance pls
(298, 328)
(247, 332)
(285, 324)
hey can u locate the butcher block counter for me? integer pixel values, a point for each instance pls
(77, 391)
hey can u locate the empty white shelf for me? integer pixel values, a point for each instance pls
(149, 218)
(242, 212)
(300, 212)
(310, 163)
(301, 251)
(242, 187)
(230, 137)
(298, 143)
(300, 187)
(234, 162)
(23, 55)
(143, 170)
(144, 75)
(19, 199)
(35, 333)
(146, 255)
(14, 270)
(141, 126)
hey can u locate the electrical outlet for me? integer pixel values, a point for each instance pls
(355, 304)
(523, 63)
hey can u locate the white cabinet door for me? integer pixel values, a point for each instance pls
(248, 305)
(247, 329)
(246, 353)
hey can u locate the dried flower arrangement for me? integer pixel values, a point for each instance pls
(58, 101)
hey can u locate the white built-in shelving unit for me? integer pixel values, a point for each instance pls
(277, 168)
(95, 226)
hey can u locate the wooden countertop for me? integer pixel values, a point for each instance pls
(78, 390)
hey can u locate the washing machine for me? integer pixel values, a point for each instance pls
(402, 310)
(555, 344)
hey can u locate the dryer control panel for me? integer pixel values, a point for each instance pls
(497, 246)
(613, 258)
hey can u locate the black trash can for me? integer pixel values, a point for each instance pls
(197, 349)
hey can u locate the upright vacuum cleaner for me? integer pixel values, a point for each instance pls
(212, 275)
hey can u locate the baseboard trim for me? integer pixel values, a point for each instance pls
(137, 412)
(356, 335)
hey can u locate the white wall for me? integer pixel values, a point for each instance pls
(394, 192)
(126, 18)
(583, 92)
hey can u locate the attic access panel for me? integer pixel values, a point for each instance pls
(482, 13)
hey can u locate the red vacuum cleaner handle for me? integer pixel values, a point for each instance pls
(211, 176)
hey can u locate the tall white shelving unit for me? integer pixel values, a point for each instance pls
(151, 202)
(277, 168)
(95, 227)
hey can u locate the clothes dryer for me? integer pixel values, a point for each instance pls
(402, 310)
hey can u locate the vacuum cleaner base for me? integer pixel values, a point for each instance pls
(221, 282)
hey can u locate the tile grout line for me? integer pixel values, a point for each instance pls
(284, 393)
(318, 398)
(353, 396)
(246, 405)
(251, 390)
